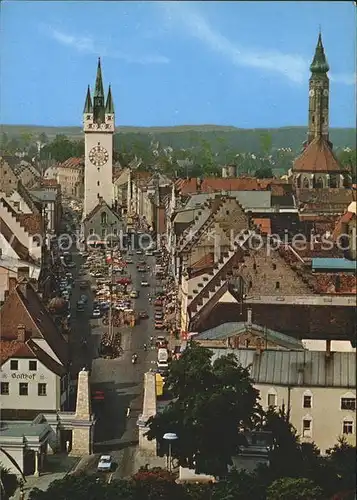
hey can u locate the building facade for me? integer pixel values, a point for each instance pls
(99, 127)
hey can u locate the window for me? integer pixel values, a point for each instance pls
(23, 389)
(32, 366)
(4, 388)
(307, 403)
(115, 232)
(98, 183)
(41, 389)
(347, 427)
(14, 364)
(103, 218)
(104, 232)
(91, 231)
(348, 404)
(306, 427)
(271, 399)
(277, 285)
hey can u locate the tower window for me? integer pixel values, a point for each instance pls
(103, 218)
(98, 183)
(277, 285)
(313, 119)
(88, 117)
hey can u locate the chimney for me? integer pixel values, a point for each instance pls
(328, 348)
(21, 333)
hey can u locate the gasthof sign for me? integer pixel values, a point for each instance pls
(23, 376)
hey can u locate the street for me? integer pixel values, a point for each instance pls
(121, 381)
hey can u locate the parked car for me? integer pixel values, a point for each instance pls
(134, 294)
(96, 313)
(158, 316)
(83, 285)
(80, 306)
(143, 315)
(159, 325)
(105, 463)
(144, 283)
(129, 261)
(139, 252)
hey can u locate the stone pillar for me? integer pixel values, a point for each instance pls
(37, 472)
(83, 421)
(149, 410)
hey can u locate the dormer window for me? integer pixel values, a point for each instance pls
(88, 117)
(109, 117)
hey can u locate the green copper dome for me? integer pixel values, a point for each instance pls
(319, 63)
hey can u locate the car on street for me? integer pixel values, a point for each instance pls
(149, 253)
(80, 306)
(83, 285)
(158, 316)
(142, 269)
(134, 294)
(139, 252)
(129, 261)
(159, 325)
(158, 302)
(97, 313)
(84, 299)
(162, 367)
(71, 265)
(143, 315)
(144, 283)
(81, 272)
(105, 463)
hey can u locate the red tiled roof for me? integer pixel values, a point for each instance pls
(24, 306)
(264, 225)
(14, 349)
(32, 223)
(72, 163)
(318, 157)
(212, 184)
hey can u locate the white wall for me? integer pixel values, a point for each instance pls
(32, 401)
(325, 413)
(94, 174)
(16, 453)
(23, 207)
(45, 347)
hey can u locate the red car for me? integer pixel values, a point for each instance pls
(124, 281)
(158, 302)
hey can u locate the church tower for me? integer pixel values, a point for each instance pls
(319, 87)
(99, 128)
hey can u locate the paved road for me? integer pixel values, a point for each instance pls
(122, 382)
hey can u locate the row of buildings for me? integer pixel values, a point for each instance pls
(284, 304)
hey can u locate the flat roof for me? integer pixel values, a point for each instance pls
(333, 263)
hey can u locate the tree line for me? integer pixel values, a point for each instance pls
(201, 157)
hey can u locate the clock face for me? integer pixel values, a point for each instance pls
(98, 156)
(325, 92)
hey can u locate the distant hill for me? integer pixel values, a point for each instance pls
(186, 136)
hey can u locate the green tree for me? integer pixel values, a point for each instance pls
(156, 483)
(264, 173)
(288, 488)
(211, 401)
(342, 459)
(8, 483)
(60, 149)
(42, 138)
(4, 140)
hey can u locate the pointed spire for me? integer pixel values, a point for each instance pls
(99, 90)
(88, 106)
(109, 107)
(319, 63)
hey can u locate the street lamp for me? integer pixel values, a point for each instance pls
(170, 436)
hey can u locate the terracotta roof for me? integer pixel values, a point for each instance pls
(72, 163)
(211, 184)
(318, 157)
(14, 349)
(49, 182)
(139, 175)
(264, 225)
(28, 349)
(32, 223)
(24, 306)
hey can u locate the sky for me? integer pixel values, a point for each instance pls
(244, 64)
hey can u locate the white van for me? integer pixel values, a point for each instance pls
(162, 355)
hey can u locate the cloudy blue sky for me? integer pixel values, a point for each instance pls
(174, 63)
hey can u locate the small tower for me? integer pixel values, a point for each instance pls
(99, 127)
(319, 86)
